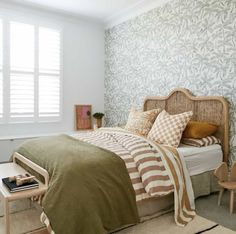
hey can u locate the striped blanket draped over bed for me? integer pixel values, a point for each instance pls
(154, 170)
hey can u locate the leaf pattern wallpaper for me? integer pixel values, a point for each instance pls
(184, 43)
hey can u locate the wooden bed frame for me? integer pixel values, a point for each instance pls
(205, 108)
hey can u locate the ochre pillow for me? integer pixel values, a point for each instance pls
(167, 129)
(140, 122)
(198, 130)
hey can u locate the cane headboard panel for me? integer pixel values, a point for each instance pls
(205, 108)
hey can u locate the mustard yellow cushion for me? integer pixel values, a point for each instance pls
(197, 130)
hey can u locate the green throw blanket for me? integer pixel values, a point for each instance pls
(89, 192)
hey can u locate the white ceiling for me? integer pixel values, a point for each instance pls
(100, 10)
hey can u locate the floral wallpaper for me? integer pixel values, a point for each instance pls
(185, 43)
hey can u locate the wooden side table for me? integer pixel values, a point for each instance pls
(11, 169)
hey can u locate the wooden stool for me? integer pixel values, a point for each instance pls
(227, 180)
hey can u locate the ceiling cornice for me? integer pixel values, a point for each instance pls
(130, 12)
(53, 11)
(133, 11)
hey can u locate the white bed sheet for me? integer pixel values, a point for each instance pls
(201, 159)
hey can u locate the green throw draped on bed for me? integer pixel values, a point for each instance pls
(90, 191)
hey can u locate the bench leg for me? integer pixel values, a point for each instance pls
(231, 207)
(6, 216)
(220, 195)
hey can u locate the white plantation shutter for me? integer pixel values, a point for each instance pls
(49, 73)
(49, 96)
(1, 42)
(49, 51)
(1, 76)
(1, 95)
(22, 96)
(30, 70)
(22, 47)
(21, 71)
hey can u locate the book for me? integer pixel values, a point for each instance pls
(14, 188)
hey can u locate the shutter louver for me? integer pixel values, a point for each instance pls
(1, 95)
(49, 51)
(22, 47)
(1, 76)
(22, 96)
(21, 71)
(49, 73)
(1, 46)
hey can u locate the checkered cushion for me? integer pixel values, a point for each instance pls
(141, 122)
(167, 129)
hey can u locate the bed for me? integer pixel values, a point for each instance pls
(205, 108)
(200, 162)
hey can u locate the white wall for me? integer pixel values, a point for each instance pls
(7, 147)
(83, 76)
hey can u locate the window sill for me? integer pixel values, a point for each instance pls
(30, 136)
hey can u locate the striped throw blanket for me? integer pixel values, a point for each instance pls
(154, 170)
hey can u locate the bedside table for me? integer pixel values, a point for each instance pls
(11, 169)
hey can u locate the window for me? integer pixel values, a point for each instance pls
(32, 73)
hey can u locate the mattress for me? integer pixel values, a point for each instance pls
(201, 159)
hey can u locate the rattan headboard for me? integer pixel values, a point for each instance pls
(205, 108)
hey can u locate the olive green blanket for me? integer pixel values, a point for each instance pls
(89, 190)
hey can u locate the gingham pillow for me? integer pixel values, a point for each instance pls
(209, 140)
(141, 122)
(168, 129)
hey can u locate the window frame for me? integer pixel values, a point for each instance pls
(6, 71)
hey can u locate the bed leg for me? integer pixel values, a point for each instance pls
(220, 196)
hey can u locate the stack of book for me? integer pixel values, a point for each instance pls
(12, 186)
